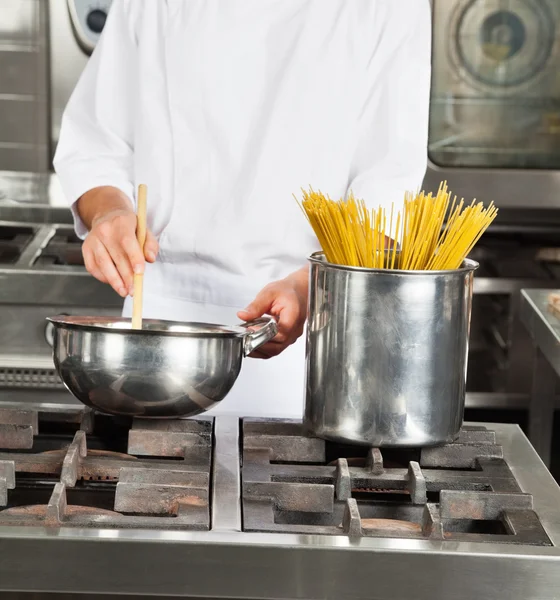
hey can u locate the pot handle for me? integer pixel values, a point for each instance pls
(267, 329)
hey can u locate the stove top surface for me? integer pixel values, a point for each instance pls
(68, 467)
(223, 507)
(461, 492)
(80, 469)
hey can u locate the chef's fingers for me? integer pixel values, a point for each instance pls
(133, 261)
(259, 354)
(269, 350)
(133, 255)
(261, 305)
(151, 247)
(290, 323)
(91, 265)
(120, 258)
(108, 269)
(278, 344)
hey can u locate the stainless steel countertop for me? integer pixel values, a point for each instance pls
(542, 324)
(226, 562)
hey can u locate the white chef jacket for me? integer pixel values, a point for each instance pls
(226, 109)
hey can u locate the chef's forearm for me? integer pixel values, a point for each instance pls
(100, 201)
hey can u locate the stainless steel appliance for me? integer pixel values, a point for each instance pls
(495, 113)
(543, 326)
(255, 509)
(74, 29)
(387, 354)
(494, 135)
(24, 86)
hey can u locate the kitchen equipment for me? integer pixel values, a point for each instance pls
(141, 237)
(496, 101)
(75, 27)
(165, 370)
(156, 505)
(24, 86)
(387, 354)
(389, 487)
(41, 273)
(542, 322)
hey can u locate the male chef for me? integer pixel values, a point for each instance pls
(226, 109)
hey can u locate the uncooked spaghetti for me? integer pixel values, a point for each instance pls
(432, 233)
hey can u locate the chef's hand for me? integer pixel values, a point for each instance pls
(111, 251)
(286, 301)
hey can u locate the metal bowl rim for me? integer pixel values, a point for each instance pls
(110, 325)
(318, 258)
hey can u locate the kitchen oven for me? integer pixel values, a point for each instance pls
(495, 135)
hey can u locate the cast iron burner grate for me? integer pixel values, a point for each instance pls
(81, 469)
(64, 248)
(13, 241)
(464, 491)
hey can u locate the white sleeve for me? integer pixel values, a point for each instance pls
(95, 147)
(391, 157)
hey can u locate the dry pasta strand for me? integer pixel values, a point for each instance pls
(431, 232)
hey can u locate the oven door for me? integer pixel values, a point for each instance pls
(495, 114)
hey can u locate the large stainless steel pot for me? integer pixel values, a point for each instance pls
(164, 370)
(387, 354)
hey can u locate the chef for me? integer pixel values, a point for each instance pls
(226, 109)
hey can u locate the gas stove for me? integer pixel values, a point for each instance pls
(39, 245)
(42, 273)
(463, 492)
(77, 469)
(252, 508)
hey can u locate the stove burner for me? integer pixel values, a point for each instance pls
(60, 454)
(357, 461)
(13, 240)
(90, 452)
(64, 248)
(145, 474)
(85, 470)
(391, 526)
(40, 510)
(462, 492)
(17, 428)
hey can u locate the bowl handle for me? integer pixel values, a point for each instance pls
(265, 330)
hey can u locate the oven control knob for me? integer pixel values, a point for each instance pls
(96, 20)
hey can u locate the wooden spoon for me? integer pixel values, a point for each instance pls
(141, 237)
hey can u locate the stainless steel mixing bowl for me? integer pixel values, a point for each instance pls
(164, 370)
